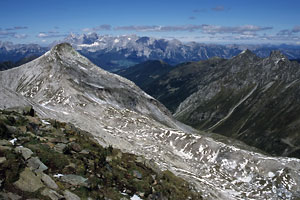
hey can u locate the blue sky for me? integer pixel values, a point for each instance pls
(209, 21)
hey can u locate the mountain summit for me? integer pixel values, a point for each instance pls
(65, 86)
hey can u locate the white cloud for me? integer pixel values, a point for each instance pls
(50, 34)
(20, 36)
(41, 35)
(218, 8)
(103, 27)
(244, 30)
(208, 29)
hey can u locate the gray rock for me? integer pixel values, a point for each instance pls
(84, 151)
(33, 199)
(59, 147)
(76, 147)
(53, 195)
(36, 165)
(26, 153)
(10, 196)
(5, 143)
(48, 181)
(23, 110)
(4, 148)
(74, 180)
(70, 196)
(28, 181)
(2, 160)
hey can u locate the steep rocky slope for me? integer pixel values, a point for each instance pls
(251, 99)
(174, 87)
(146, 73)
(53, 160)
(246, 98)
(65, 86)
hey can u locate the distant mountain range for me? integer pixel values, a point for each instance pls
(255, 100)
(10, 64)
(16, 52)
(118, 52)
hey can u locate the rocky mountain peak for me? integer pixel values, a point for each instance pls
(276, 54)
(277, 57)
(62, 48)
(247, 54)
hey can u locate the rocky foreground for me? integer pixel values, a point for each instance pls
(47, 159)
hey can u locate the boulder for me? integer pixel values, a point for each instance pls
(28, 181)
(84, 151)
(70, 196)
(35, 164)
(10, 196)
(4, 148)
(59, 147)
(26, 153)
(48, 181)
(75, 147)
(53, 195)
(2, 160)
(23, 110)
(5, 143)
(74, 180)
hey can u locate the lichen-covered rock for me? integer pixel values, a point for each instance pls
(48, 181)
(24, 110)
(28, 181)
(2, 160)
(53, 195)
(26, 153)
(92, 171)
(70, 196)
(36, 165)
(9, 196)
(74, 180)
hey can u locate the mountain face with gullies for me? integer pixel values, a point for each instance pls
(65, 86)
(145, 73)
(248, 98)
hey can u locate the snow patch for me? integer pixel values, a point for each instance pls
(45, 122)
(271, 174)
(13, 141)
(95, 44)
(58, 175)
(135, 197)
